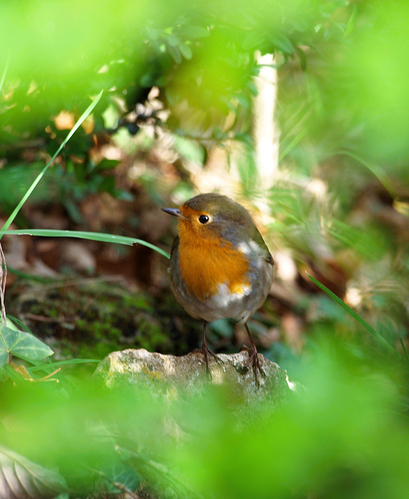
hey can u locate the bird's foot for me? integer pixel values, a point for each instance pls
(253, 359)
(205, 351)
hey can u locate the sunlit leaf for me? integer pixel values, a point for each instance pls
(22, 478)
(185, 50)
(22, 345)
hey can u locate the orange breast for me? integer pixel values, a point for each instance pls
(204, 264)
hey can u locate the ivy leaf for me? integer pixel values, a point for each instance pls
(23, 478)
(22, 345)
(124, 475)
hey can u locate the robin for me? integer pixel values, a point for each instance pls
(220, 266)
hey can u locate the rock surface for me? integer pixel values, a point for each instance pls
(188, 374)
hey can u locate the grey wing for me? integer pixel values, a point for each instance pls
(257, 237)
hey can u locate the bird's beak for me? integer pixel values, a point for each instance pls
(174, 211)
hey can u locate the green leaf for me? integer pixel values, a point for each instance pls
(253, 89)
(195, 32)
(92, 236)
(282, 43)
(13, 320)
(146, 80)
(353, 314)
(172, 40)
(110, 117)
(22, 345)
(253, 40)
(153, 33)
(28, 347)
(301, 56)
(4, 354)
(352, 20)
(121, 474)
(185, 50)
(107, 164)
(243, 100)
(175, 54)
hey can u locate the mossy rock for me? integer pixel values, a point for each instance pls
(94, 318)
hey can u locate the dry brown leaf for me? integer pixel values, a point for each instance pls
(64, 121)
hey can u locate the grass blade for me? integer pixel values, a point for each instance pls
(404, 350)
(376, 169)
(93, 236)
(40, 176)
(53, 365)
(353, 314)
(5, 72)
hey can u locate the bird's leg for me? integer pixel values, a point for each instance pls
(253, 356)
(205, 348)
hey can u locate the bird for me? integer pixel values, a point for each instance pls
(220, 266)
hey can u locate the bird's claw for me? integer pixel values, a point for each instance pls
(206, 352)
(253, 358)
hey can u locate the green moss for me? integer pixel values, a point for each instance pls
(139, 301)
(94, 320)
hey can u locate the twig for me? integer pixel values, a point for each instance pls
(42, 318)
(83, 281)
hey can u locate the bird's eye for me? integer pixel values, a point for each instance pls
(203, 219)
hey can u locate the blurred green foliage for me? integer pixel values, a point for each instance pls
(339, 206)
(201, 53)
(344, 434)
(353, 83)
